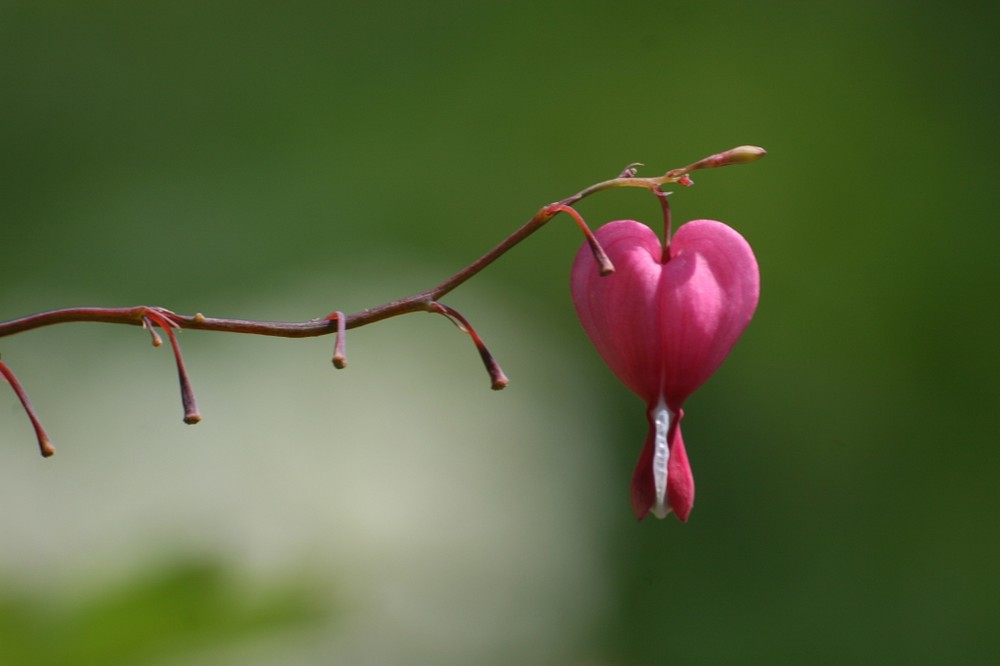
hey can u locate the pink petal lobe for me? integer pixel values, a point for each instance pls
(709, 291)
(680, 481)
(643, 488)
(616, 310)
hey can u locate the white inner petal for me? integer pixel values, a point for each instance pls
(661, 456)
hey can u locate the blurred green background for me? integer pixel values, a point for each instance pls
(282, 160)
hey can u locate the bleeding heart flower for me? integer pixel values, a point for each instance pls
(663, 322)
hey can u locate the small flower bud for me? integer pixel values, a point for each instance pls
(739, 155)
(742, 155)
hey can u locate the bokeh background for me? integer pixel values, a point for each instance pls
(282, 160)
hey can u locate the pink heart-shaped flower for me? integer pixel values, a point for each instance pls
(664, 321)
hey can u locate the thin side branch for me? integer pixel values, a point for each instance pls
(44, 444)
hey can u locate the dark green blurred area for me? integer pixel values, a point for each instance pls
(182, 154)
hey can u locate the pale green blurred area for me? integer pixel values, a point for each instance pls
(266, 160)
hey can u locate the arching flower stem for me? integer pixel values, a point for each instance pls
(338, 322)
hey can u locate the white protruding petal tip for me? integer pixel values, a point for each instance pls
(661, 456)
(660, 510)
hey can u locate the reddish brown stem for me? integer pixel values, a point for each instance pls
(340, 344)
(44, 444)
(419, 302)
(606, 267)
(667, 230)
(148, 325)
(338, 322)
(150, 317)
(162, 319)
(498, 379)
